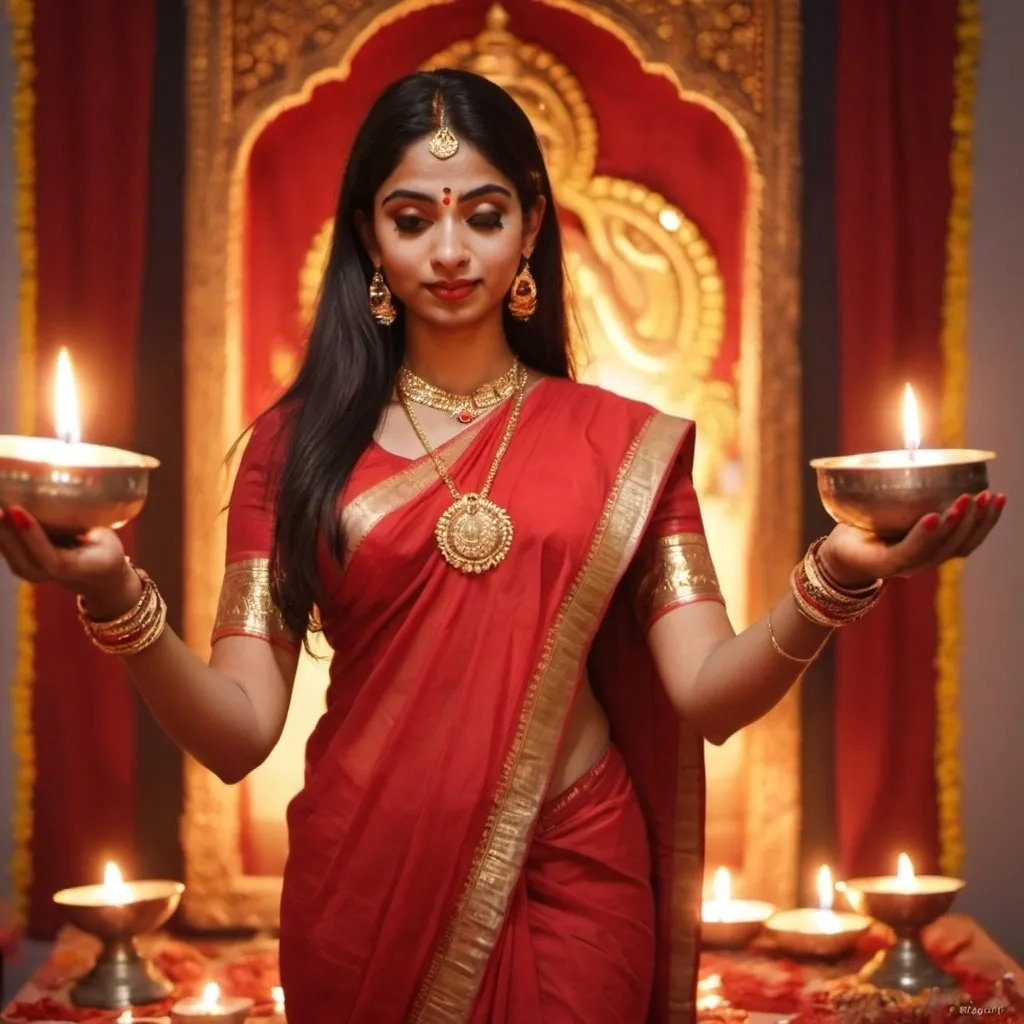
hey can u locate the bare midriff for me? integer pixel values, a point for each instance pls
(586, 739)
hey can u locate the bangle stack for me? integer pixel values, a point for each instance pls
(134, 631)
(823, 601)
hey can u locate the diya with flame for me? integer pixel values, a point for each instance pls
(907, 903)
(886, 493)
(68, 486)
(117, 912)
(818, 931)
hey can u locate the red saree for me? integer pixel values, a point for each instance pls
(431, 876)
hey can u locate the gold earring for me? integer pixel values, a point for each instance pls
(381, 307)
(522, 299)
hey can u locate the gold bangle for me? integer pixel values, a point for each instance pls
(785, 654)
(138, 628)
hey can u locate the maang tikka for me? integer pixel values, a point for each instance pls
(443, 143)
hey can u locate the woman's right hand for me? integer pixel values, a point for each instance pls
(95, 567)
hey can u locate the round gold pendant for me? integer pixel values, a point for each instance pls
(474, 534)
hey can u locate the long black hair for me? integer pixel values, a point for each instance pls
(347, 377)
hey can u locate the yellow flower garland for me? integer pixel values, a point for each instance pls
(21, 14)
(954, 398)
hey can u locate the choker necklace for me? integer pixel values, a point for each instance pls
(474, 534)
(465, 408)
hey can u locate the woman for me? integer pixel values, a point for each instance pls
(501, 819)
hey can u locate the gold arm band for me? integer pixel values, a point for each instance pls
(678, 571)
(247, 606)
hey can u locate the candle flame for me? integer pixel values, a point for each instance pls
(722, 886)
(69, 427)
(211, 995)
(905, 874)
(277, 994)
(825, 888)
(115, 892)
(126, 1018)
(911, 421)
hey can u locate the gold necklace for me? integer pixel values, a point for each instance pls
(465, 408)
(473, 533)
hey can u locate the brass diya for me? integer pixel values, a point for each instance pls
(120, 977)
(817, 934)
(70, 488)
(737, 926)
(906, 906)
(886, 493)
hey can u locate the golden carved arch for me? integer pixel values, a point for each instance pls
(250, 59)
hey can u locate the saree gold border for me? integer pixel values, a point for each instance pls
(364, 512)
(769, 365)
(450, 988)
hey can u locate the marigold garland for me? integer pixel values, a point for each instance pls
(21, 15)
(954, 397)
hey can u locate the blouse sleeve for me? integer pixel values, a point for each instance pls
(246, 605)
(673, 566)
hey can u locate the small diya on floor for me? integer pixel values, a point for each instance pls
(818, 932)
(887, 492)
(211, 1008)
(907, 903)
(117, 912)
(727, 923)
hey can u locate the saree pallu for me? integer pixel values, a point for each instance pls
(406, 893)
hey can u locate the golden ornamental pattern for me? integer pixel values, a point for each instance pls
(271, 34)
(679, 571)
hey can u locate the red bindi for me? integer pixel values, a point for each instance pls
(447, 196)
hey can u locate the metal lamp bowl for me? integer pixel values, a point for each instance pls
(884, 495)
(901, 910)
(737, 934)
(825, 945)
(71, 489)
(152, 903)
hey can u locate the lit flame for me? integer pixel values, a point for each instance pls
(277, 994)
(722, 886)
(825, 888)
(905, 874)
(115, 892)
(911, 421)
(126, 1018)
(69, 427)
(211, 996)
(709, 992)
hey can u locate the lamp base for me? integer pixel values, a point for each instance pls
(907, 968)
(120, 978)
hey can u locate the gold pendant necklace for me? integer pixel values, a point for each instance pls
(473, 534)
(465, 408)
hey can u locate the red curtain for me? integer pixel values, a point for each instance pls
(894, 105)
(94, 62)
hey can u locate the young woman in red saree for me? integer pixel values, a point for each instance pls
(503, 809)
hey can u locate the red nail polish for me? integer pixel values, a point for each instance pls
(1000, 501)
(20, 519)
(983, 499)
(931, 522)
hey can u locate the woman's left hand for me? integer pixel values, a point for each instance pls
(853, 557)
